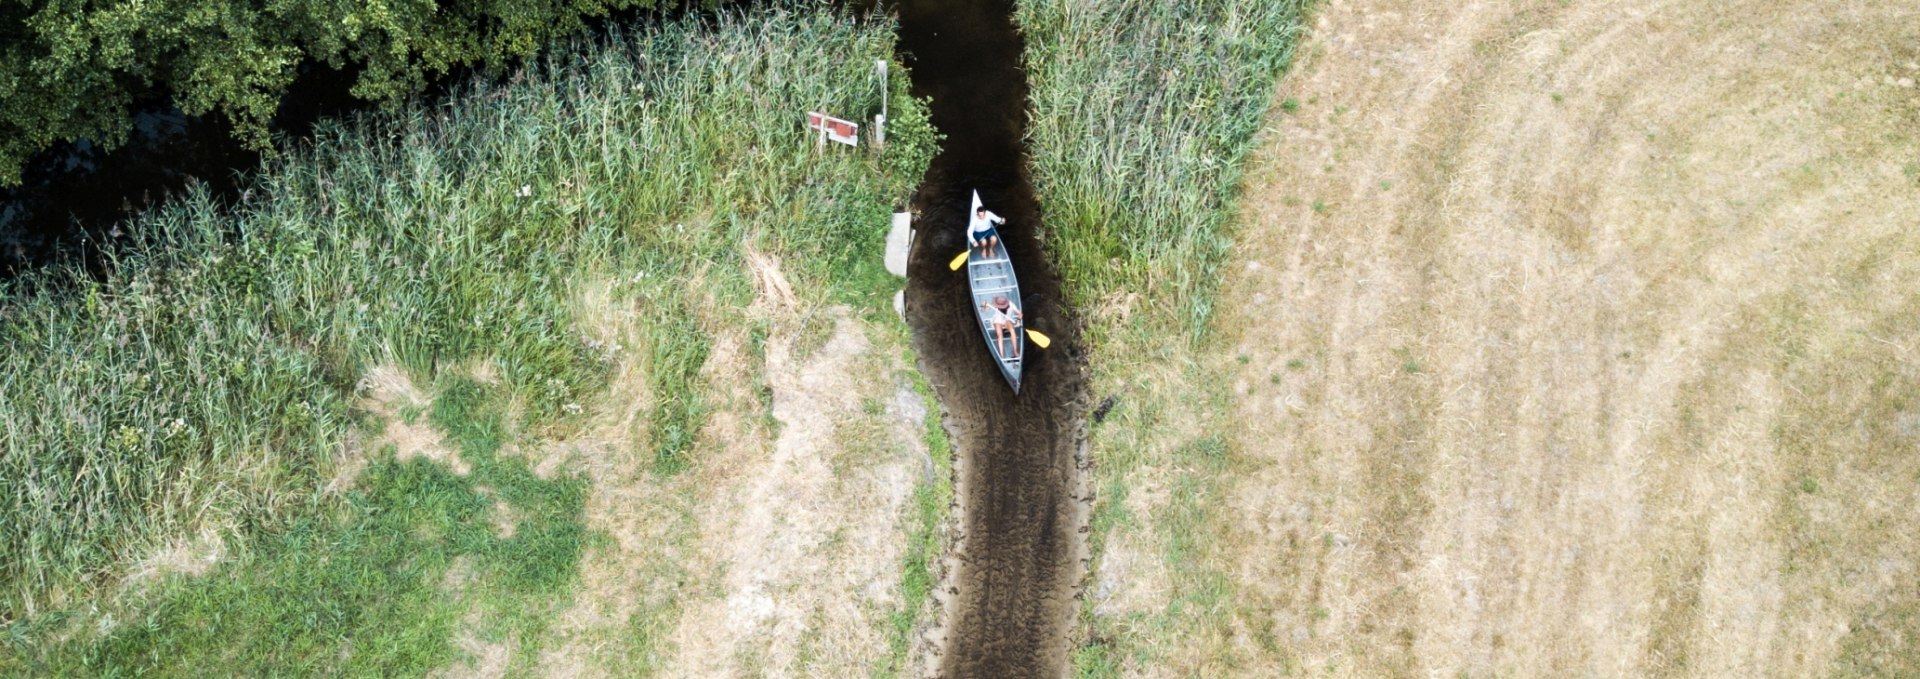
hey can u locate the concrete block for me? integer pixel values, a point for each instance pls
(898, 240)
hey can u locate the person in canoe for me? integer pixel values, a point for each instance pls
(1005, 318)
(983, 235)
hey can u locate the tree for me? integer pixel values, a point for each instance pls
(75, 69)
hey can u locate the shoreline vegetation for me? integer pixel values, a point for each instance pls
(1144, 117)
(217, 382)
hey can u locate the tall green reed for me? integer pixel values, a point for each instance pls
(212, 375)
(1143, 116)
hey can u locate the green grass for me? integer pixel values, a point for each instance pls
(211, 378)
(360, 589)
(1143, 115)
(928, 508)
(1143, 118)
(675, 373)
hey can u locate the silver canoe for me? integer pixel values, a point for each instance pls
(989, 278)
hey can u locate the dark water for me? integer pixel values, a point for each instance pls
(75, 196)
(1021, 473)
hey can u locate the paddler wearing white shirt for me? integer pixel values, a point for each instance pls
(1004, 319)
(982, 234)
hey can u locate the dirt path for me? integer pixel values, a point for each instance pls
(1579, 338)
(1019, 479)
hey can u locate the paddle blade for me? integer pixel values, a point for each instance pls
(957, 261)
(1038, 339)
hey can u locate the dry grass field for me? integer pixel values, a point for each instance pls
(1561, 338)
(779, 551)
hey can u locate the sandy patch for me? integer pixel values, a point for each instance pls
(190, 555)
(804, 537)
(778, 551)
(419, 440)
(1566, 327)
(387, 391)
(483, 659)
(479, 658)
(638, 571)
(505, 520)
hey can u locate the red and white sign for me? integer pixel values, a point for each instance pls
(835, 129)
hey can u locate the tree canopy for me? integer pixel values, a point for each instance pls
(75, 69)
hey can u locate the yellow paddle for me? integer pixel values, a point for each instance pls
(1039, 339)
(957, 261)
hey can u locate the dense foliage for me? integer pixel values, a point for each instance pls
(1144, 113)
(71, 69)
(212, 378)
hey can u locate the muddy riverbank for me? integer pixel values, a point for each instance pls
(1020, 477)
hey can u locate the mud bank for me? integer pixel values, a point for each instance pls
(1020, 474)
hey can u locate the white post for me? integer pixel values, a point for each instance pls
(881, 64)
(880, 121)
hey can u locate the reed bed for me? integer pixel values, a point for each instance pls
(1143, 118)
(1143, 115)
(211, 377)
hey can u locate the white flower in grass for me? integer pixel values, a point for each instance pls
(525, 191)
(128, 436)
(571, 408)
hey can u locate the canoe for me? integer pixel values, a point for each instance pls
(988, 278)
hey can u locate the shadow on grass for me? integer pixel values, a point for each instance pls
(379, 585)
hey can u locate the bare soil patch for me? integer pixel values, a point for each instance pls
(388, 393)
(1577, 339)
(778, 551)
(800, 532)
(481, 659)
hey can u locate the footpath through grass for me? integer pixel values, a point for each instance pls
(212, 379)
(1144, 114)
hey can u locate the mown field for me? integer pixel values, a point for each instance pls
(479, 388)
(1555, 338)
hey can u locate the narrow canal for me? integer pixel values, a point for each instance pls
(1021, 471)
(1020, 476)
